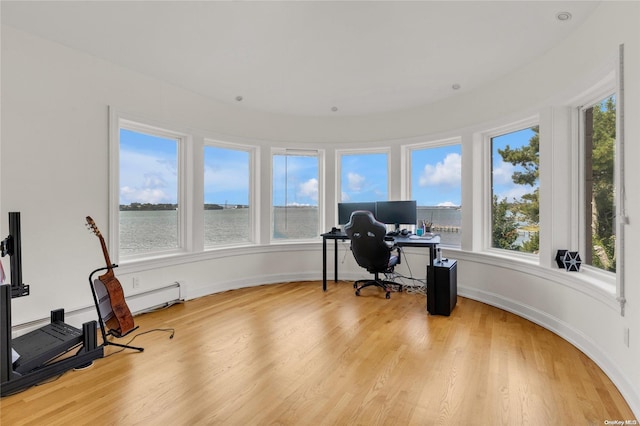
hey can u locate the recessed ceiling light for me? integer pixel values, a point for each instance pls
(455, 86)
(334, 108)
(239, 98)
(563, 16)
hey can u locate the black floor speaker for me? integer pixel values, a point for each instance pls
(442, 290)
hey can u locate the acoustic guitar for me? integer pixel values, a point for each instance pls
(120, 320)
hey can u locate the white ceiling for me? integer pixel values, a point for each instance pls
(305, 57)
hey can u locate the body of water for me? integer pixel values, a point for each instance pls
(152, 230)
(143, 231)
(446, 221)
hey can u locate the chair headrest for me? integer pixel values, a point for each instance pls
(368, 243)
(361, 219)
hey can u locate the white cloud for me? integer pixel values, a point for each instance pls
(130, 195)
(309, 189)
(447, 204)
(355, 182)
(146, 179)
(448, 172)
(502, 173)
(154, 180)
(514, 192)
(503, 185)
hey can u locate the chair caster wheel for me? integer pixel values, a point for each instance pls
(357, 292)
(388, 296)
(355, 285)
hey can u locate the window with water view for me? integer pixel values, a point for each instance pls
(226, 196)
(436, 185)
(295, 196)
(148, 192)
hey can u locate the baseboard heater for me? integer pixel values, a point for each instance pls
(138, 303)
(148, 300)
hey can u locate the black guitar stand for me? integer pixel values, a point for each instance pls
(102, 316)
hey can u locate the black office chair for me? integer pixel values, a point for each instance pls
(371, 250)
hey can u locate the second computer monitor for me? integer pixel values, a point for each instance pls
(397, 212)
(345, 210)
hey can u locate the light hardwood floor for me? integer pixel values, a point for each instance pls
(290, 354)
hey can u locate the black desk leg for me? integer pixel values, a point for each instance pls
(324, 264)
(335, 260)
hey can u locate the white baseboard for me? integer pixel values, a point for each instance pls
(137, 303)
(192, 292)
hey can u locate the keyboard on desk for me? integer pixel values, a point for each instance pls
(426, 236)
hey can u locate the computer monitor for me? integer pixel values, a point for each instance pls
(345, 210)
(397, 212)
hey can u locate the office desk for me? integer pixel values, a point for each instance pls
(399, 240)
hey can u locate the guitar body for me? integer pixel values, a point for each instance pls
(121, 322)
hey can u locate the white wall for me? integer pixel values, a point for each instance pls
(54, 170)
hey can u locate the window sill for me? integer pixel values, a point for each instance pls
(163, 260)
(594, 283)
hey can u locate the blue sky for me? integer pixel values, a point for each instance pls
(436, 176)
(226, 176)
(435, 179)
(148, 168)
(148, 174)
(364, 177)
(295, 180)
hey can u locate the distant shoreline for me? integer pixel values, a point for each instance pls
(136, 207)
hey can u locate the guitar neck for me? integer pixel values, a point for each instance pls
(105, 252)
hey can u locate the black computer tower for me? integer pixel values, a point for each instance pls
(442, 287)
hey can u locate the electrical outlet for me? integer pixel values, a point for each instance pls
(626, 336)
(136, 282)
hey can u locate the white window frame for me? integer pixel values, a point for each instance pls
(407, 165)
(601, 90)
(319, 154)
(487, 190)
(119, 120)
(254, 188)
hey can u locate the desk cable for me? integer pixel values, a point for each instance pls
(418, 286)
(347, 250)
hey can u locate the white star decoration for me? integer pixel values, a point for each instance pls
(572, 261)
